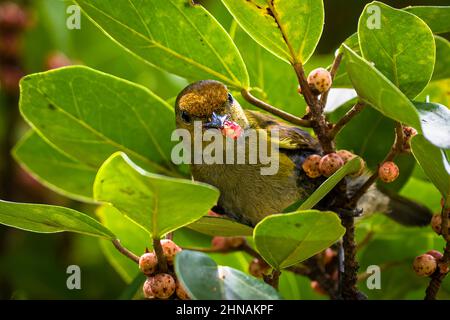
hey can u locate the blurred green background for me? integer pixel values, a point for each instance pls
(33, 266)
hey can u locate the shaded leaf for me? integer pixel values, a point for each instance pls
(155, 202)
(152, 30)
(287, 239)
(434, 162)
(134, 289)
(50, 219)
(288, 29)
(441, 69)
(212, 282)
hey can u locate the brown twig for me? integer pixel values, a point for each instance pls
(275, 111)
(396, 149)
(349, 276)
(364, 276)
(438, 276)
(366, 240)
(355, 110)
(127, 253)
(333, 71)
(273, 279)
(162, 261)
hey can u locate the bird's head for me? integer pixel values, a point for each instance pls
(210, 103)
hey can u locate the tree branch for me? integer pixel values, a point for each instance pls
(444, 263)
(127, 253)
(162, 261)
(333, 71)
(355, 110)
(275, 111)
(396, 148)
(273, 279)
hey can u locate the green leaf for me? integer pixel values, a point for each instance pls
(131, 236)
(157, 203)
(434, 163)
(287, 239)
(375, 89)
(352, 166)
(288, 29)
(216, 226)
(50, 219)
(441, 68)
(437, 17)
(212, 282)
(134, 289)
(183, 39)
(435, 123)
(275, 82)
(402, 48)
(54, 169)
(89, 115)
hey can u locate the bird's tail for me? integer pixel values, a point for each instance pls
(406, 211)
(398, 208)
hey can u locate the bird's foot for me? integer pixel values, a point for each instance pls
(349, 213)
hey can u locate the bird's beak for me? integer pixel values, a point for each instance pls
(216, 121)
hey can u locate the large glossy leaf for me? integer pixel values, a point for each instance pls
(50, 219)
(434, 162)
(375, 89)
(213, 282)
(441, 68)
(402, 48)
(215, 226)
(286, 239)
(131, 236)
(173, 35)
(437, 17)
(89, 115)
(157, 203)
(54, 169)
(436, 121)
(290, 29)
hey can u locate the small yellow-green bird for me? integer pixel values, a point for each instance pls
(248, 196)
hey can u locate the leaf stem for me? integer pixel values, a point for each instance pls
(333, 71)
(275, 111)
(355, 110)
(162, 262)
(127, 253)
(273, 279)
(396, 149)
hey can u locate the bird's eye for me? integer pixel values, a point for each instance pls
(185, 116)
(230, 98)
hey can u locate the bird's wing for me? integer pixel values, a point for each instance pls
(290, 137)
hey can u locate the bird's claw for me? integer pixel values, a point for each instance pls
(349, 213)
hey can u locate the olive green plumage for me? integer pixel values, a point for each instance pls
(245, 194)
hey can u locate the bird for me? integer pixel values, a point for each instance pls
(246, 195)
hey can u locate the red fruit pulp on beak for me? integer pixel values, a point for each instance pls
(231, 129)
